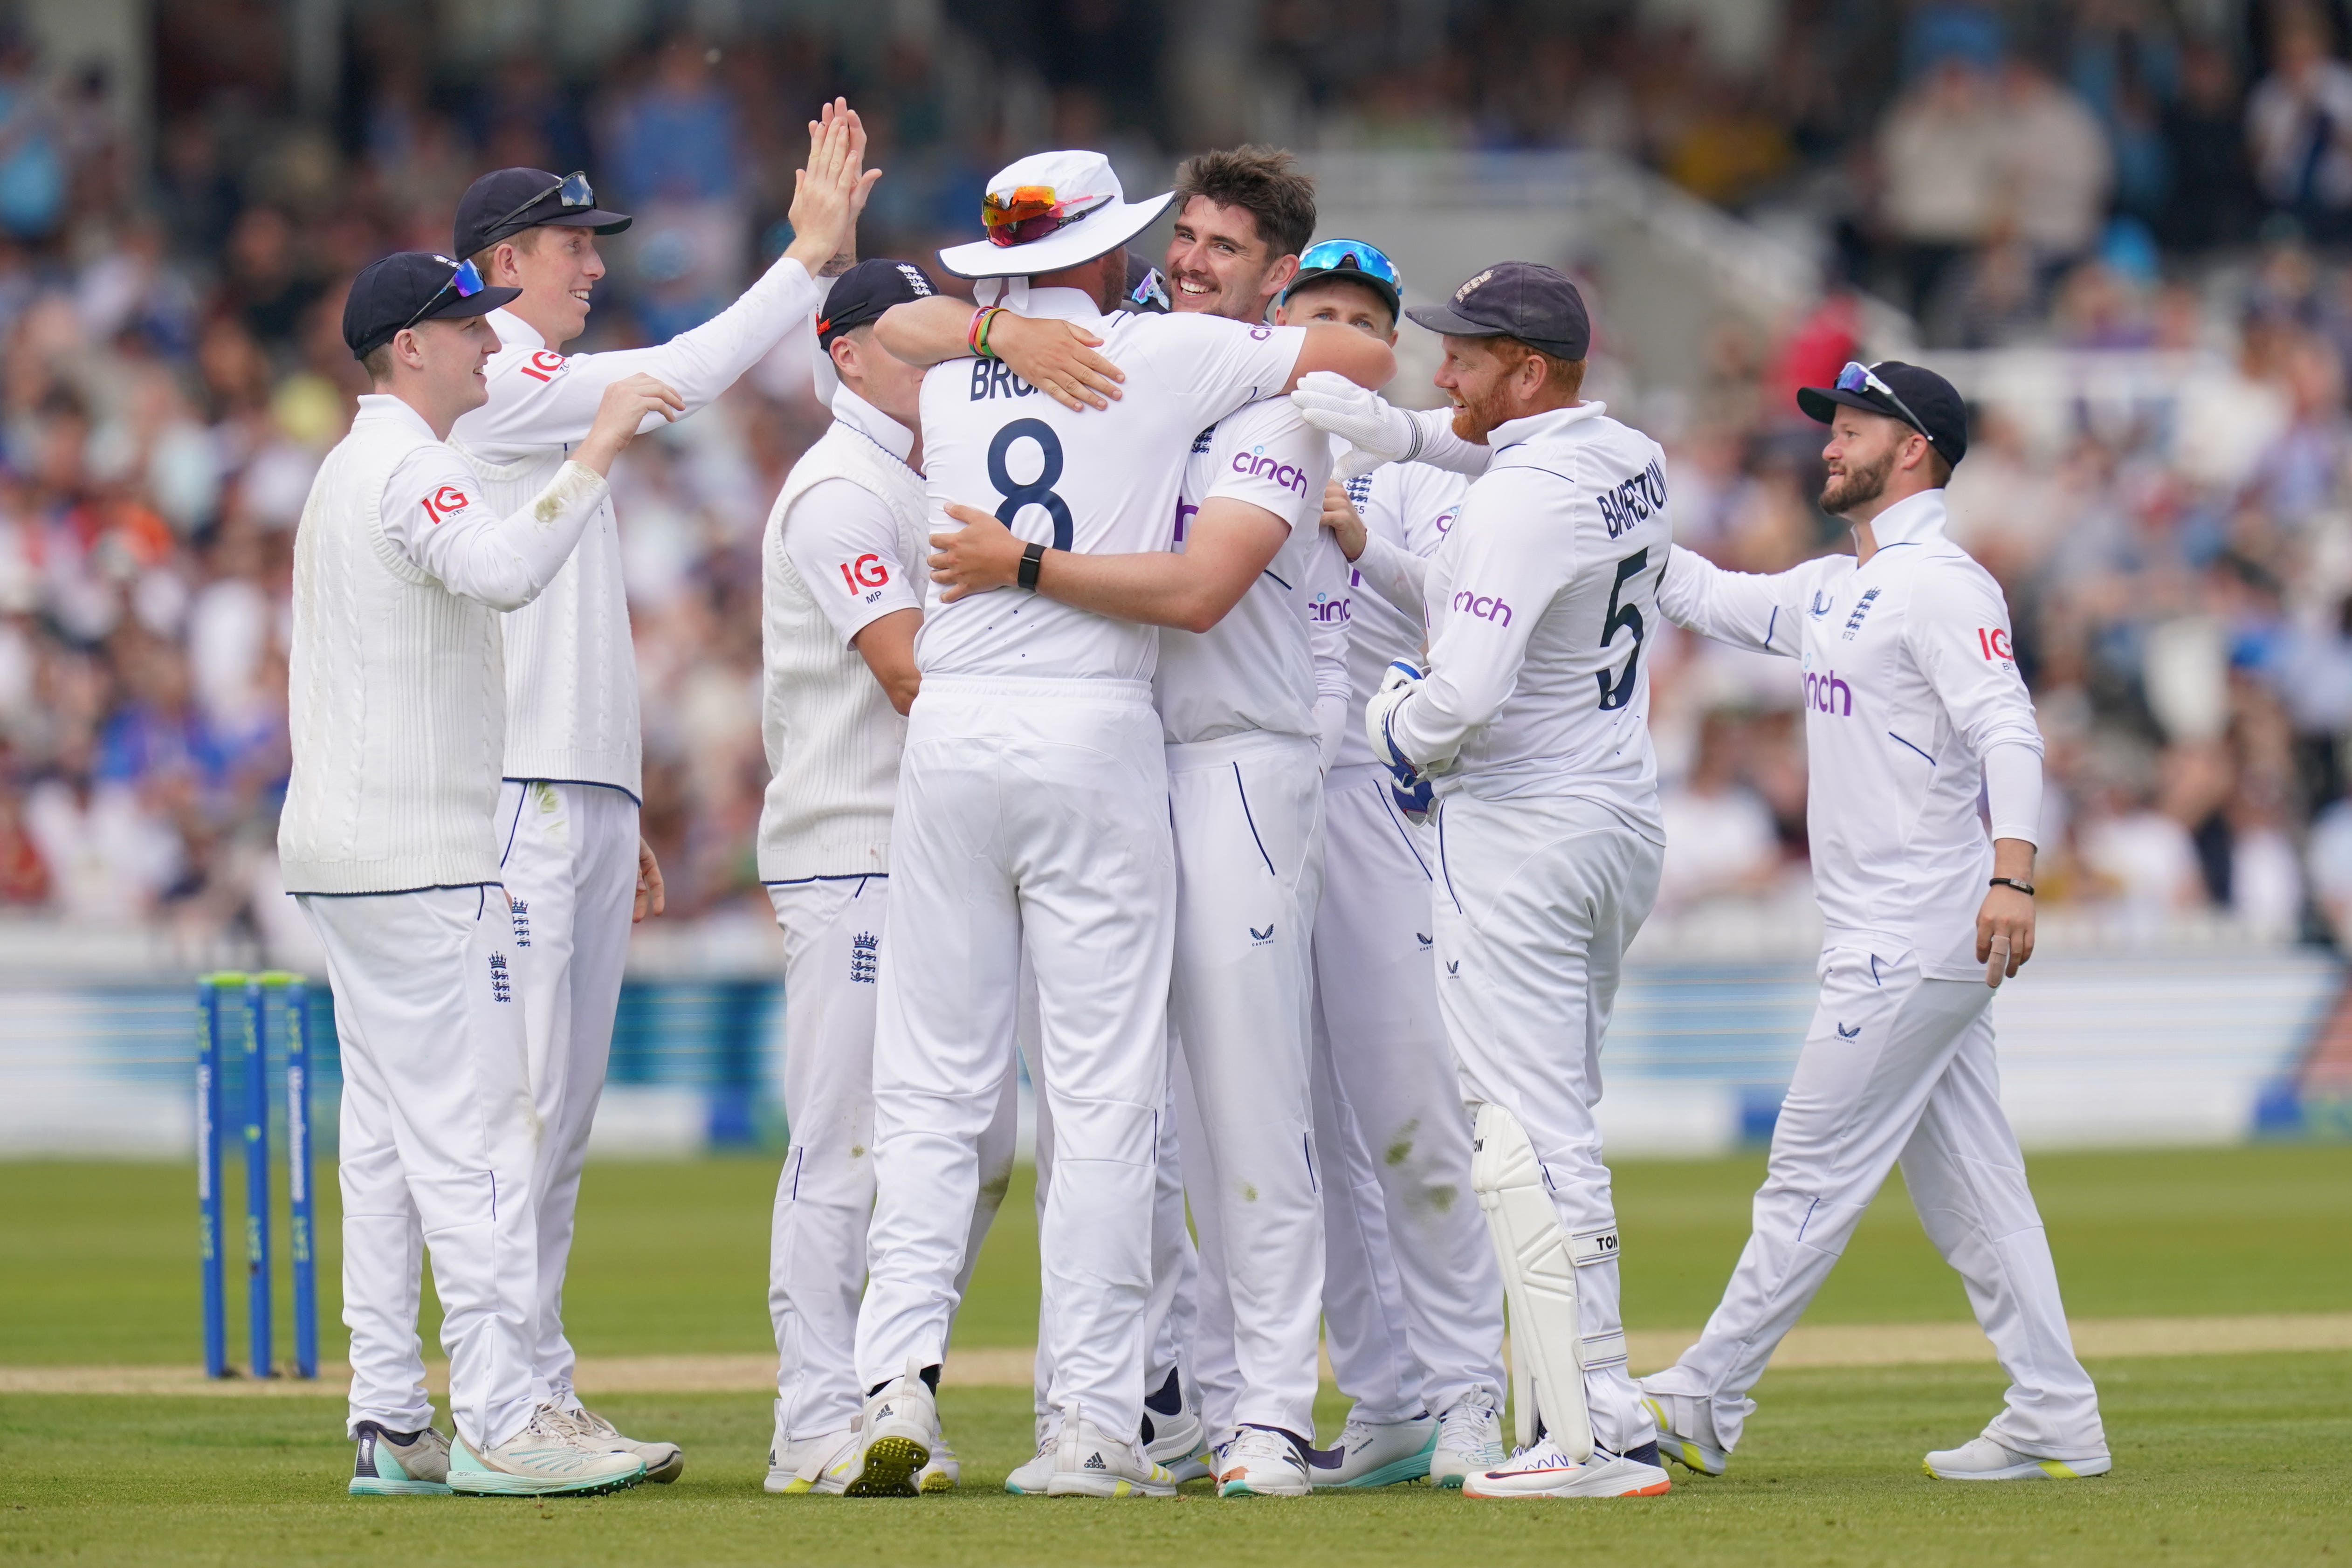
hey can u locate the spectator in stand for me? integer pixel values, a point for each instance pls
(1941, 153)
(1720, 838)
(2056, 169)
(2210, 194)
(2299, 128)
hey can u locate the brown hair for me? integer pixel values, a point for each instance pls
(1564, 377)
(1263, 182)
(378, 362)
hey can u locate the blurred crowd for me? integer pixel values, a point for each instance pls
(2098, 175)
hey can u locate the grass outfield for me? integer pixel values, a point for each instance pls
(2222, 1459)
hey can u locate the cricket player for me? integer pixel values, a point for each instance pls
(1242, 699)
(1033, 810)
(388, 841)
(1913, 708)
(572, 855)
(843, 599)
(1412, 1307)
(1532, 721)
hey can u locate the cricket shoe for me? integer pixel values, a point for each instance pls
(546, 1459)
(900, 1422)
(1086, 1463)
(400, 1464)
(1258, 1461)
(822, 1465)
(1983, 1459)
(665, 1462)
(941, 1472)
(1031, 1477)
(1686, 1433)
(1469, 1439)
(1380, 1453)
(1178, 1440)
(1544, 1471)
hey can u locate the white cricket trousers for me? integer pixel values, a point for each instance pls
(1899, 1067)
(824, 1197)
(1539, 898)
(1032, 820)
(436, 1153)
(1412, 1306)
(1247, 811)
(571, 868)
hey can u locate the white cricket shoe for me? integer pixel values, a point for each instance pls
(400, 1464)
(1089, 1464)
(1469, 1439)
(1983, 1459)
(1544, 1471)
(941, 1472)
(546, 1459)
(822, 1465)
(1380, 1453)
(1031, 1477)
(1179, 1443)
(665, 1462)
(1257, 1461)
(1686, 1432)
(900, 1421)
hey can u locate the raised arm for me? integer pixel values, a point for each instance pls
(1228, 543)
(1746, 609)
(552, 400)
(1055, 356)
(1355, 357)
(432, 516)
(1382, 433)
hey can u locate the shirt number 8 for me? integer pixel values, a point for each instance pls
(1038, 493)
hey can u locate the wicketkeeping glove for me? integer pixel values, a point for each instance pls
(1395, 686)
(1332, 403)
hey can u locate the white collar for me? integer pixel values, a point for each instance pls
(383, 405)
(1550, 422)
(873, 423)
(1911, 521)
(1064, 303)
(513, 331)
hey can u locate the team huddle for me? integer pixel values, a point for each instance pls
(1150, 702)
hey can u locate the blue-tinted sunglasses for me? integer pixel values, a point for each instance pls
(1859, 377)
(1343, 256)
(465, 280)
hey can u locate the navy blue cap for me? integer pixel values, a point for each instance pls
(863, 293)
(408, 287)
(1917, 397)
(1515, 299)
(505, 202)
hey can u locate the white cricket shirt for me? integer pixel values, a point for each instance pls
(572, 670)
(1101, 481)
(1539, 604)
(1258, 668)
(1407, 509)
(1910, 681)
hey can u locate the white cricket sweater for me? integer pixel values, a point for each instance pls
(396, 692)
(833, 739)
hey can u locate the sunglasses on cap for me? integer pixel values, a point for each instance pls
(1031, 212)
(465, 279)
(572, 191)
(1348, 255)
(1859, 377)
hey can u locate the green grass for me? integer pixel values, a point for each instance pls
(97, 1262)
(2228, 1459)
(2223, 1461)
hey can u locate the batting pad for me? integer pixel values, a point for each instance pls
(1538, 1260)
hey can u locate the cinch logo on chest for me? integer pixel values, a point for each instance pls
(1827, 694)
(1329, 610)
(994, 378)
(1254, 464)
(1484, 606)
(1634, 500)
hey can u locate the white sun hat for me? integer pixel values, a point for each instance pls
(1051, 210)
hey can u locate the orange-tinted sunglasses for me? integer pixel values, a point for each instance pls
(1031, 212)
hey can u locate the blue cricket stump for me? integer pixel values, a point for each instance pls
(245, 1030)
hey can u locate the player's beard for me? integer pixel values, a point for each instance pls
(1854, 486)
(1476, 418)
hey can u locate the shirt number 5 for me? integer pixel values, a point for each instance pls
(1616, 695)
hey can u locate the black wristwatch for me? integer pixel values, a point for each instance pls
(2025, 888)
(1030, 553)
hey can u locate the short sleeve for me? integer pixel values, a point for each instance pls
(1273, 459)
(1221, 365)
(843, 541)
